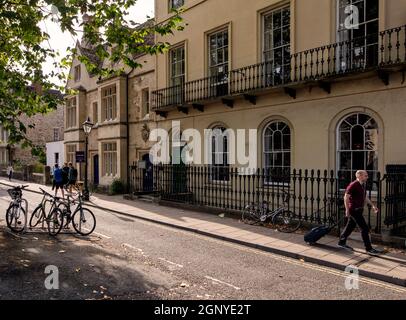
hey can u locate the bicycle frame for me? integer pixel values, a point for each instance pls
(19, 202)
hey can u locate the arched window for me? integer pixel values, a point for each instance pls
(277, 151)
(220, 160)
(357, 146)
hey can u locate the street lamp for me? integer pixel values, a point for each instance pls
(87, 128)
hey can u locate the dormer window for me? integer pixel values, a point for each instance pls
(77, 73)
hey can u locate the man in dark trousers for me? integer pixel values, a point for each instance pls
(355, 199)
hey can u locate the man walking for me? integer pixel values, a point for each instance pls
(355, 199)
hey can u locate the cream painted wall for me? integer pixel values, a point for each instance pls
(313, 24)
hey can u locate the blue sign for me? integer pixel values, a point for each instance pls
(80, 156)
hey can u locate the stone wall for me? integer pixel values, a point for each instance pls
(42, 133)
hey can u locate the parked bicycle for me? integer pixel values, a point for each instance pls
(284, 219)
(82, 219)
(16, 214)
(52, 217)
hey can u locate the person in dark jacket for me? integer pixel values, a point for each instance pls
(72, 176)
(65, 174)
(58, 178)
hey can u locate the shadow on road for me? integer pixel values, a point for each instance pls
(88, 269)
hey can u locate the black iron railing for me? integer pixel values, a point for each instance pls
(316, 196)
(362, 54)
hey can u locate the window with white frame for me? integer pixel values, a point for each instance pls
(176, 4)
(218, 53)
(357, 147)
(177, 74)
(109, 159)
(358, 23)
(220, 157)
(219, 61)
(276, 45)
(71, 153)
(177, 66)
(71, 113)
(277, 151)
(109, 103)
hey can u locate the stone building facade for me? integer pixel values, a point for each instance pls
(46, 128)
(119, 108)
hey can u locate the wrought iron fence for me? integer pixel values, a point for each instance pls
(374, 51)
(315, 195)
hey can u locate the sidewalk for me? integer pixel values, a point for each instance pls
(390, 267)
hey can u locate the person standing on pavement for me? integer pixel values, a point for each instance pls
(355, 199)
(72, 177)
(58, 177)
(65, 174)
(10, 171)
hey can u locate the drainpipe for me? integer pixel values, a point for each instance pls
(128, 130)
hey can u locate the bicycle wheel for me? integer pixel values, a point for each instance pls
(250, 215)
(84, 221)
(16, 218)
(37, 217)
(287, 221)
(55, 222)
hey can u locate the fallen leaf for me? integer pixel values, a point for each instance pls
(85, 284)
(77, 270)
(62, 251)
(103, 288)
(222, 215)
(94, 291)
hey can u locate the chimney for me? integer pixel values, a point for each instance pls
(86, 42)
(36, 84)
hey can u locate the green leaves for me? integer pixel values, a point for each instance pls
(109, 33)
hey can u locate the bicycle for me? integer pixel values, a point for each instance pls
(285, 220)
(16, 214)
(54, 219)
(83, 220)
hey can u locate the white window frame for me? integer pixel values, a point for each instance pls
(71, 110)
(285, 68)
(109, 103)
(273, 152)
(339, 150)
(349, 36)
(110, 159)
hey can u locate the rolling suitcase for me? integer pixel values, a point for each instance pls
(317, 233)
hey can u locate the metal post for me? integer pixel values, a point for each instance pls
(86, 191)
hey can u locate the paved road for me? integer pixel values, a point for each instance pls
(183, 265)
